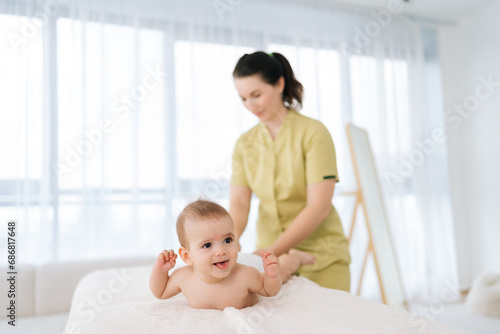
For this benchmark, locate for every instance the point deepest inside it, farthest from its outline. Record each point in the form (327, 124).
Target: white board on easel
(369, 197)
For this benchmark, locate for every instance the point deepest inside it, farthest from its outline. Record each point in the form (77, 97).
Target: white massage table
(119, 301)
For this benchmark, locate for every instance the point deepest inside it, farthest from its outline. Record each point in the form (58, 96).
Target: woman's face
(262, 99)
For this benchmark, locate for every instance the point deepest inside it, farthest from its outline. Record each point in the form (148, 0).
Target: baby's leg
(289, 263)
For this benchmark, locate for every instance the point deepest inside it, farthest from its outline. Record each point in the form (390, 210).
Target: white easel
(380, 244)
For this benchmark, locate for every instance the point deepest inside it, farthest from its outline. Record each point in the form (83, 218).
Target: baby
(212, 278)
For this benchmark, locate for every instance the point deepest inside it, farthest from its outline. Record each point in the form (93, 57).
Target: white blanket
(119, 301)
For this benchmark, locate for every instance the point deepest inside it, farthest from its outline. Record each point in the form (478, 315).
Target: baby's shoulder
(244, 270)
(182, 273)
(247, 277)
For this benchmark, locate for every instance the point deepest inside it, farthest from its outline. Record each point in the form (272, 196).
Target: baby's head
(208, 243)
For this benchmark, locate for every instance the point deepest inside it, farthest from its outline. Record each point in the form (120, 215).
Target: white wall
(470, 50)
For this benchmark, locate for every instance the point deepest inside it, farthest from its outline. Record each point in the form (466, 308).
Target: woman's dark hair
(272, 67)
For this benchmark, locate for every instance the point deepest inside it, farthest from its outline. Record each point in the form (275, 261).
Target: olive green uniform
(278, 172)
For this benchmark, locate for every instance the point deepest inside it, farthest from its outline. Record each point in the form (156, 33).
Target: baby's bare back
(232, 291)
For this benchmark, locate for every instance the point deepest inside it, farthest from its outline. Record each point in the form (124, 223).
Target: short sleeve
(238, 177)
(320, 158)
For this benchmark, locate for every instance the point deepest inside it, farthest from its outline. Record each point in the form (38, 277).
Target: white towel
(119, 301)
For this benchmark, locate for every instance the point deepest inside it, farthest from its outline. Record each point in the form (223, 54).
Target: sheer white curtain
(115, 113)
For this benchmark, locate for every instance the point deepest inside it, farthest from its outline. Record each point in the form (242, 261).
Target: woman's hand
(258, 252)
(261, 251)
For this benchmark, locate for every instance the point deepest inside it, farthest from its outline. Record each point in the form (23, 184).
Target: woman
(288, 161)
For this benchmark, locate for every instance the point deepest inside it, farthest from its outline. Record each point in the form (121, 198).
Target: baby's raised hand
(165, 261)
(271, 264)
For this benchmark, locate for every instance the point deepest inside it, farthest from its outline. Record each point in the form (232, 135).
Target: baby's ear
(184, 254)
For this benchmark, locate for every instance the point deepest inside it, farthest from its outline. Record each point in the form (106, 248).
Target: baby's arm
(162, 286)
(268, 284)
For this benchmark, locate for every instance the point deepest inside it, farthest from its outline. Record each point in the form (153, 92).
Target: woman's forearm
(239, 214)
(239, 208)
(319, 204)
(300, 229)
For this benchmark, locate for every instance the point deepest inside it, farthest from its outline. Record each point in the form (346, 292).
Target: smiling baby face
(211, 247)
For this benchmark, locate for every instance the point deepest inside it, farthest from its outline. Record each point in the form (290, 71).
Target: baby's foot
(305, 258)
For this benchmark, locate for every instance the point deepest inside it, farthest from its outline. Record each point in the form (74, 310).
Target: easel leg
(363, 269)
(353, 221)
(382, 292)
